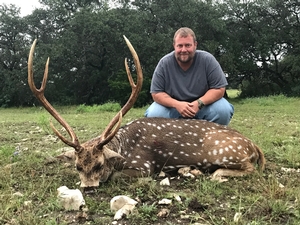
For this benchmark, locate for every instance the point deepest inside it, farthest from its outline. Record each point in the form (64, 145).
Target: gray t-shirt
(205, 73)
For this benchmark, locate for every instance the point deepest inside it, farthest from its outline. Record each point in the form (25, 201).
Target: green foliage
(257, 87)
(147, 213)
(7, 154)
(264, 66)
(44, 123)
(107, 107)
(256, 42)
(233, 93)
(119, 85)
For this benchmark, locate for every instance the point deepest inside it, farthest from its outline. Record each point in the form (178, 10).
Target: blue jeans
(219, 112)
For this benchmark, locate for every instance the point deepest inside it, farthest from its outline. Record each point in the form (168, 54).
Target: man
(189, 83)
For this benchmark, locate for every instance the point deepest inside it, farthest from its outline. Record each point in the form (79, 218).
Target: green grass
(232, 93)
(108, 107)
(28, 145)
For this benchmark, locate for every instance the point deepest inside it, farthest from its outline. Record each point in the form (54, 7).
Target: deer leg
(223, 172)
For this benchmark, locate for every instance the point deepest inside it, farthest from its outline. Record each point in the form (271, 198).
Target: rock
(165, 182)
(122, 205)
(18, 194)
(162, 174)
(163, 213)
(165, 201)
(177, 197)
(237, 217)
(27, 204)
(70, 199)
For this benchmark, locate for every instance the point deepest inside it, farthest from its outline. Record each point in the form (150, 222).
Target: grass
(232, 93)
(29, 177)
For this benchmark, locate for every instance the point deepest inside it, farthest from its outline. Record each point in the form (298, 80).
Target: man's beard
(187, 58)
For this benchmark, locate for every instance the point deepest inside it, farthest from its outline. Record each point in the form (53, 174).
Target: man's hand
(187, 109)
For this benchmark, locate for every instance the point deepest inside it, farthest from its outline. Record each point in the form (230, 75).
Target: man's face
(185, 48)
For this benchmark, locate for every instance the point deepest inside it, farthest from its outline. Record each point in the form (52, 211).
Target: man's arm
(164, 99)
(187, 109)
(209, 97)
(212, 95)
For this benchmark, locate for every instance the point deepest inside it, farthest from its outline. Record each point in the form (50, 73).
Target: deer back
(154, 144)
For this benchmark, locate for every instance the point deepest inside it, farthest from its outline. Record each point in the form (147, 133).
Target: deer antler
(108, 133)
(39, 94)
(113, 126)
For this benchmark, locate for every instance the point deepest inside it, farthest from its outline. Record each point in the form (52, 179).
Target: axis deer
(149, 145)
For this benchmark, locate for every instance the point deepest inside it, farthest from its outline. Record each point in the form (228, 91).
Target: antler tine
(107, 134)
(39, 94)
(135, 88)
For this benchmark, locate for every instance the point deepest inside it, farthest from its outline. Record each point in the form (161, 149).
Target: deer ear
(67, 156)
(109, 154)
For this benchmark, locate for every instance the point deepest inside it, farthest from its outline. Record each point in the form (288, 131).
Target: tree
(13, 42)
(256, 43)
(260, 38)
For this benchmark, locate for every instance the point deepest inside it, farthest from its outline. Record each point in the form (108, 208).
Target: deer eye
(79, 168)
(97, 167)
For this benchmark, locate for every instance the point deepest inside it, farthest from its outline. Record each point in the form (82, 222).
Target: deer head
(93, 159)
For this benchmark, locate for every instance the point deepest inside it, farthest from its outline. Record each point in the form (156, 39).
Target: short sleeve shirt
(205, 73)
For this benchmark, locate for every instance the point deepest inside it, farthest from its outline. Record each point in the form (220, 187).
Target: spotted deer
(147, 146)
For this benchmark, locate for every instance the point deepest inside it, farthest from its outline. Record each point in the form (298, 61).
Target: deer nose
(89, 190)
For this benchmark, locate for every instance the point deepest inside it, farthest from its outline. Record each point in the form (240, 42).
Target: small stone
(165, 182)
(18, 194)
(177, 197)
(165, 201)
(163, 213)
(27, 204)
(237, 217)
(162, 174)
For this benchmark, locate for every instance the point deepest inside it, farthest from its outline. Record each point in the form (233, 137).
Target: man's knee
(156, 110)
(219, 112)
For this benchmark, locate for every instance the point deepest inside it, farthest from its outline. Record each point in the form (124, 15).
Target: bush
(107, 107)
